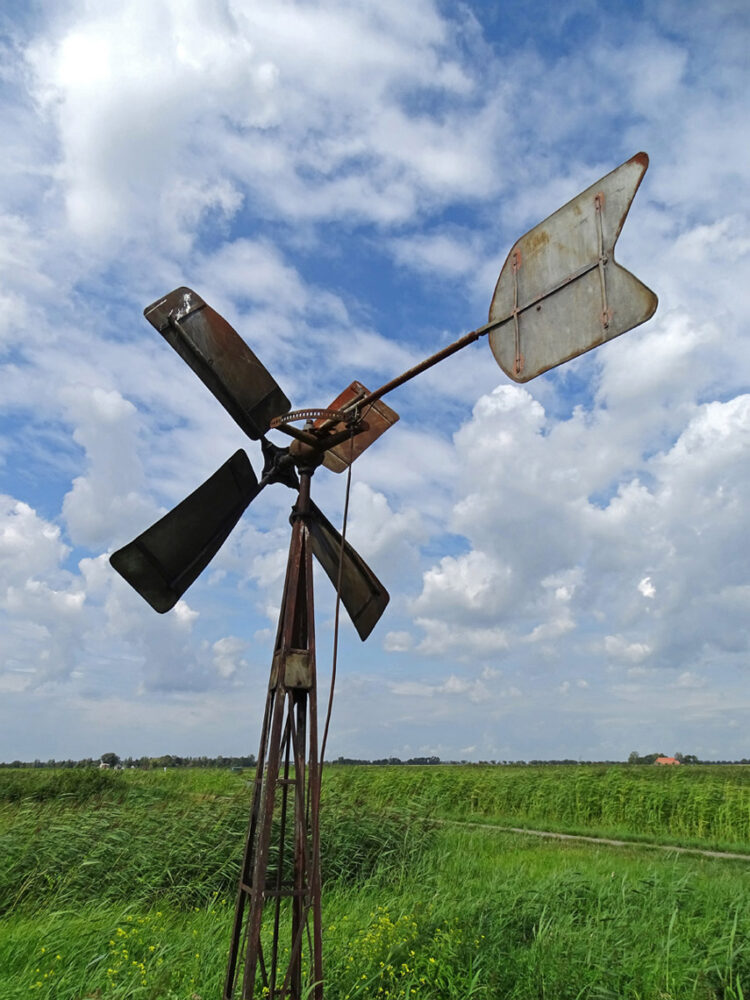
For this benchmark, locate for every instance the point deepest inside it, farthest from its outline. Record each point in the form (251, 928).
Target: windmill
(559, 294)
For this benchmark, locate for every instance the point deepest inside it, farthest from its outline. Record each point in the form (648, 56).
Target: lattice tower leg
(277, 935)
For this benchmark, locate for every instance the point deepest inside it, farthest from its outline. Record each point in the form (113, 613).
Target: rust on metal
(376, 417)
(569, 265)
(516, 266)
(220, 358)
(433, 359)
(296, 669)
(286, 791)
(309, 414)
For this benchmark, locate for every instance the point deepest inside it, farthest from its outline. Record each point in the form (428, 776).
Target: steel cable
(336, 616)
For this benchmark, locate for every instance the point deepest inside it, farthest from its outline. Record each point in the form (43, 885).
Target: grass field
(699, 806)
(121, 885)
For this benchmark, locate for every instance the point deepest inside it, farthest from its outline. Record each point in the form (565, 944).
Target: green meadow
(119, 885)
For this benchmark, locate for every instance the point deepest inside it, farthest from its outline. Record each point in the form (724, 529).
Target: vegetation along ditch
(121, 885)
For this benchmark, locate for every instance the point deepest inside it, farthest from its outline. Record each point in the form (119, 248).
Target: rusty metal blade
(162, 562)
(363, 595)
(560, 292)
(377, 416)
(220, 358)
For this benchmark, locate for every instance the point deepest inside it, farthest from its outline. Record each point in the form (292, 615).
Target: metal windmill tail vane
(561, 281)
(559, 294)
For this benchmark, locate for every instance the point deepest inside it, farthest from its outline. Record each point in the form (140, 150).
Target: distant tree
(110, 758)
(647, 758)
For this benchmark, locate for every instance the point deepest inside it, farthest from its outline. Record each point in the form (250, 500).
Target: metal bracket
(292, 670)
(516, 258)
(311, 414)
(602, 261)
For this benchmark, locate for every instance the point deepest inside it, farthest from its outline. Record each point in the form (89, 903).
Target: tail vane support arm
(560, 292)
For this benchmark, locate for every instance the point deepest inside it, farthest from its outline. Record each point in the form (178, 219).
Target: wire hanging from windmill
(336, 616)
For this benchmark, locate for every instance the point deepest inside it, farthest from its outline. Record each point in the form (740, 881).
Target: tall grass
(127, 892)
(164, 838)
(514, 919)
(470, 918)
(75, 785)
(688, 804)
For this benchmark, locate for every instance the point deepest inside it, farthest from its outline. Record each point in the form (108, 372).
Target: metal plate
(362, 594)
(560, 292)
(220, 358)
(378, 417)
(162, 562)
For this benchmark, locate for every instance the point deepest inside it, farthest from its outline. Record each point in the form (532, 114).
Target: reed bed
(125, 891)
(691, 805)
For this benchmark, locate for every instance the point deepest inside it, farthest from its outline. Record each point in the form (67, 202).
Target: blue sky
(567, 560)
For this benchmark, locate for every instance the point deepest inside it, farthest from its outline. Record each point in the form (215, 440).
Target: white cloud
(688, 679)
(398, 642)
(343, 182)
(471, 582)
(228, 655)
(163, 96)
(42, 606)
(109, 499)
(378, 531)
(452, 687)
(438, 255)
(617, 648)
(548, 564)
(449, 638)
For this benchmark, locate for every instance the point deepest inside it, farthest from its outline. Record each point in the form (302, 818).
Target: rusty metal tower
(559, 294)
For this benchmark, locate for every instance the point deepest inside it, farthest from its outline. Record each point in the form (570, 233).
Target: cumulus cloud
(453, 687)
(228, 655)
(140, 96)
(398, 642)
(42, 605)
(109, 499)
(550, 564)
(618, 648)
(343, 183)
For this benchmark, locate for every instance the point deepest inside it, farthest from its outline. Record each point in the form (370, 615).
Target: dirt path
(721, 855)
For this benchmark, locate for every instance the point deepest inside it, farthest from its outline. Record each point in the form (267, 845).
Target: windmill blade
(220, 358)
(560, 292)
(363, 595)
(162, 562)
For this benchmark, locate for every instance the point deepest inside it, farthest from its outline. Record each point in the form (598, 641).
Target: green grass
(505, 917)
(125, 891)
(690, 806)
